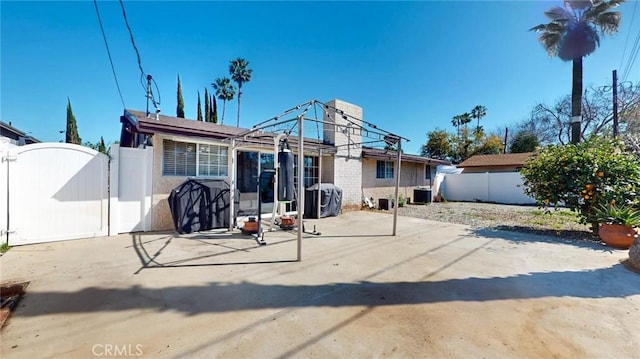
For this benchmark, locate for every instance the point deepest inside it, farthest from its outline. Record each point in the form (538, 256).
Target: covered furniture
(330, 200)
(200, 205)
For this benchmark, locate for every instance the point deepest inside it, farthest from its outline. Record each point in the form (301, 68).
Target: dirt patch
(10, 295)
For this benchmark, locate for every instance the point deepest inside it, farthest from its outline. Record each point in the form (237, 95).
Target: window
(194, 159)
(427, 172)
(384, 169)
(310, 170)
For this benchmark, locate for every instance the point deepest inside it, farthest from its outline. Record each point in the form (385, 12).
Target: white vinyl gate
(51, 192)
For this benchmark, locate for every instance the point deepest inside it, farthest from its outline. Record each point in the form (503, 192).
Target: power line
(143, 77)
(106, 44)
(632, 58)
(624, 49)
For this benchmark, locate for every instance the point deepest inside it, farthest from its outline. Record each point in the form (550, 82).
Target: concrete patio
(434, 290)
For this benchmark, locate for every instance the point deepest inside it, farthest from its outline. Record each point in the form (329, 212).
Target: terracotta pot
(617, 235)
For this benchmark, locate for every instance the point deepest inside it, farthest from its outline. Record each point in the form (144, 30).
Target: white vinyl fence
(58, 191)
(131, 180)
(500, 187)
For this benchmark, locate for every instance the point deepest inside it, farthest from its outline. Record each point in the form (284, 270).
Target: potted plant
(617, 224)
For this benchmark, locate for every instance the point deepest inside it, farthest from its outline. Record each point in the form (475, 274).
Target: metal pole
(395, 204)
(319, 198)
(148, 93)
(300, 185)
(8, 193)
(615, 103)
(232, 179)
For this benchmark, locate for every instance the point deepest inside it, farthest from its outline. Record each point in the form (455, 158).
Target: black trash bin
(421, 196)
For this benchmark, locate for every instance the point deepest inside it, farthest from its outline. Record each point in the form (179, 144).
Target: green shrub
(593, 173)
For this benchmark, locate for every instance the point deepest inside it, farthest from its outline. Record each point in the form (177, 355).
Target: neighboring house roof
(388, 155)
(7, 130)
(507, 159)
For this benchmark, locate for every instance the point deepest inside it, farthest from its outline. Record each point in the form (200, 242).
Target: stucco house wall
(163, 185)
(412, 176)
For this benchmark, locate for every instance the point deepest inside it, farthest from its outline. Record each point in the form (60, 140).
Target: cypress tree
(72, 128)
(199, 108)
(214, 105)
(180, 107)
(207, 111)
(101, 146)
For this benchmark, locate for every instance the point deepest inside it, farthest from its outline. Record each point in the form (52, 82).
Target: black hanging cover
(201, 204)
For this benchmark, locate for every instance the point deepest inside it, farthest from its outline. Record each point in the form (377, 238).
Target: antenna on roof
(150, 98)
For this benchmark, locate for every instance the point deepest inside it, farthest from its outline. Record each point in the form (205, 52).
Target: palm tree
(456, 121)
(225, 92)
(478, 113)
(240, 73)
(573, 34)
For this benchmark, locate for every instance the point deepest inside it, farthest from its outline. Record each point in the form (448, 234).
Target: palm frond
(550, 41)
(609, 22)
(579, 4)
(539, 28)
(603, 6)
(561, 14)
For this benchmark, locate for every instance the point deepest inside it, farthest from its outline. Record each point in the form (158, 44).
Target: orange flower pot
(617, 235)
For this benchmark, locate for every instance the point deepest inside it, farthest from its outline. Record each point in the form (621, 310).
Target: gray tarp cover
(330, 203)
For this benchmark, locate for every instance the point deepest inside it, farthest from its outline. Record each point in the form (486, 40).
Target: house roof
(178, 126)
(7, 130)
(376, 153)
(507, 159)
(190, 128)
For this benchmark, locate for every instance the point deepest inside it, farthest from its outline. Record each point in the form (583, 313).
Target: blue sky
(412, 66)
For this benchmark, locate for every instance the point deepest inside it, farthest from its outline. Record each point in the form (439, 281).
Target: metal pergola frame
(291, 122)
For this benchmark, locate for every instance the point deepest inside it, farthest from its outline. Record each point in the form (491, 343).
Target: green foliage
(402, 200)
(225, 92)
(615, 214)
(582, 176)
(98, 146)
(214, 106)
(489, 145)
(240, 73)
(199, 118)
(438, 145)
(478, 113)
(180, 106)
(524, 142)
(71, 133)
(4, 247)
(207, 110)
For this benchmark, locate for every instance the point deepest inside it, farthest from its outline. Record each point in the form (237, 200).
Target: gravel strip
(560, 223)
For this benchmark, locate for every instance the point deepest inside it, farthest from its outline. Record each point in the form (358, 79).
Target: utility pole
(506, 134)
(615, 103)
